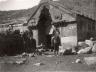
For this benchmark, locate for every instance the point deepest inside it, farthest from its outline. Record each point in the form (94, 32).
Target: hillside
(16, 15)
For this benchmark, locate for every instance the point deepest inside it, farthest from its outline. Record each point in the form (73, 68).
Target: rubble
(82, 44)
(94, 48)
(40, 50)
(90, 60)
(85, 50)
(78, 61)
(89, 42)
(31, 55)
(38, 64)
(15, 59)
(19, 62)
(24, 54)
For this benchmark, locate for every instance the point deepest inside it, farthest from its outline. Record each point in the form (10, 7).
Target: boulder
(90, 60)
(82, 44)
(85, 51)
(78, 61)
(89, 42)
(94, 48)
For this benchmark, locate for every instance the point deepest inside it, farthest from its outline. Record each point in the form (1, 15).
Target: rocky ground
(47, 63)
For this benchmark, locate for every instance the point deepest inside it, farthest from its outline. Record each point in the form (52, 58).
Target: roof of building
(86, 8)
(82, 7)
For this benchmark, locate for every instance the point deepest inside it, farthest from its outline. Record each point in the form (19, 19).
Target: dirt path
(50, 64)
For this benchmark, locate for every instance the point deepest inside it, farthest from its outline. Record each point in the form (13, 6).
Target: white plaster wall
(70, 41)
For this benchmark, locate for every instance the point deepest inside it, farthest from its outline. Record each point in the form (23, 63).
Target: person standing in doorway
(56, 41)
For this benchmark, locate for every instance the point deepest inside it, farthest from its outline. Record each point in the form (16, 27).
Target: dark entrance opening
(48, 41)
(44, 25)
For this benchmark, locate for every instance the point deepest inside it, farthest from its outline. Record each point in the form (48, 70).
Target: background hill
(16, 15)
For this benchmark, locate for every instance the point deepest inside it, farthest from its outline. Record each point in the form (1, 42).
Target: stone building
(75, 19)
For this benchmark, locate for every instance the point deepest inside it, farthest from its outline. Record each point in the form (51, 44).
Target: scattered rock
(38, 64)
(94, 48)
(90, 60)
(41, 50)
(85, 51)
(24, 54)
(78, 61)
(21, 61)
(82, 44)
(31, 55)
(89, 42)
